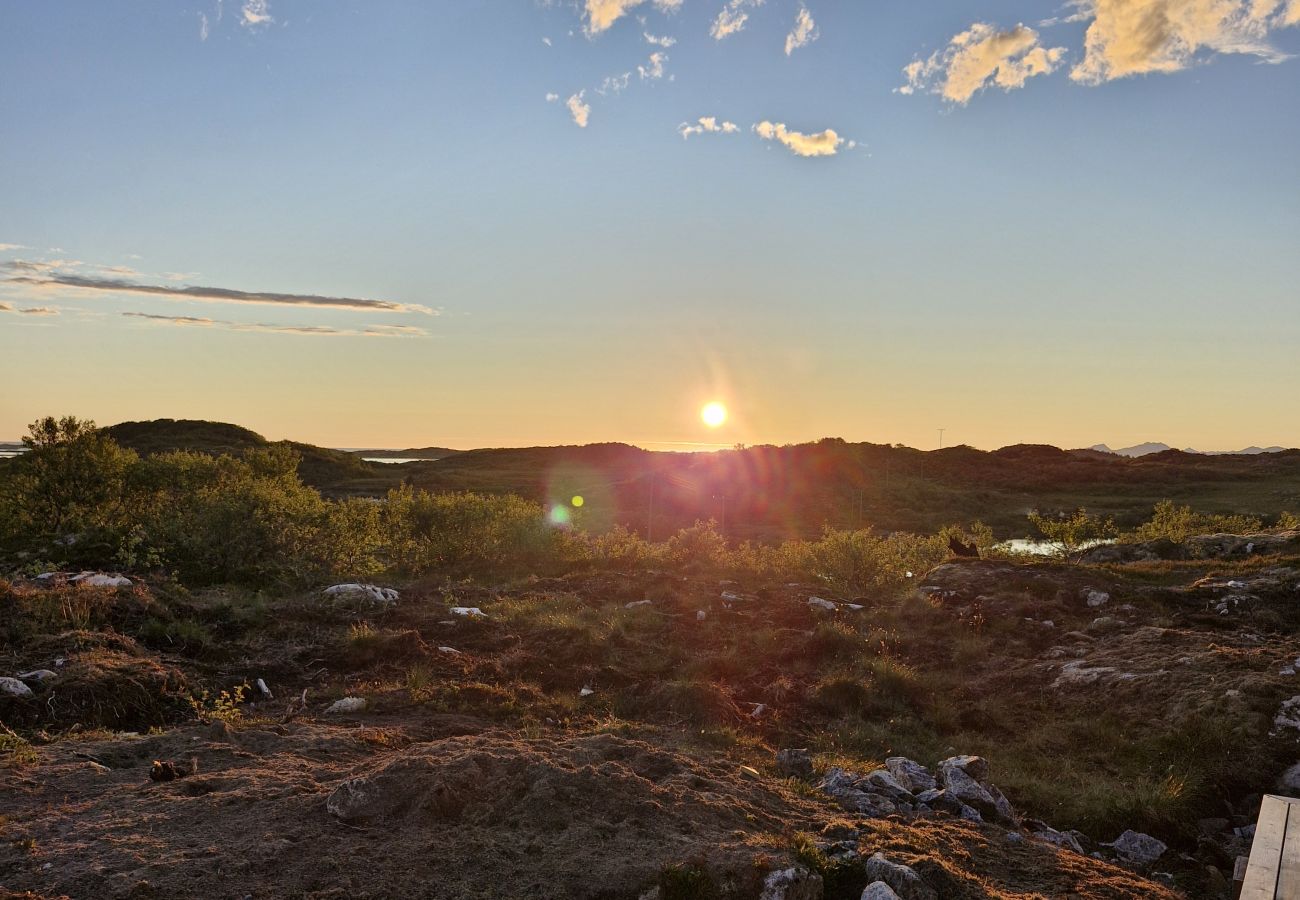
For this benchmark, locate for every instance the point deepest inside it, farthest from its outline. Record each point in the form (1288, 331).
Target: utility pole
(941, 431)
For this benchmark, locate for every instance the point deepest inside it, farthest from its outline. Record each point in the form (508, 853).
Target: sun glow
(713, 414)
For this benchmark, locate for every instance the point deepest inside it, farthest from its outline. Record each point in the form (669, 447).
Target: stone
(910, 774)
(794, 762)
(1105, 625)
(1095, 598)
(14, 688)
(794, 883)
(101, 579)
(843, 787)
(1077, 673)
(1137, 847)
(976, 767)
(347, 705)
(878, 890)
(1049, 835)
(1290, 779)
(819, 603)
(901, 879)
(38, 676)
(959, 784)
(469, 612)
(372, 592)
(882, 781)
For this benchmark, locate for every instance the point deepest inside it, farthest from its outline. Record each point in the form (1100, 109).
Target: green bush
(1178, 523)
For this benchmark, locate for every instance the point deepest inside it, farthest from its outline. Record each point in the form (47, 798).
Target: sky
(479, 223)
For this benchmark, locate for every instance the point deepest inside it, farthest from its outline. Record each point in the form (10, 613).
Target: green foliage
(1288, 521)
(1073, 533)
(1178, 523)
(224, 707)
(700, 546)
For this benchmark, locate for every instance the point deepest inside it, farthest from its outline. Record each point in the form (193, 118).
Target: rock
(819, 603)
(1077, 673)
(1015, 837)
(14, 688)
(372, 592)
(450, 651)
(878, 890)
(1049, 835)
(795, 762)
(469, 612)
(903, 880)
(882, 781)
(1212, 826)
(1105, 625)
(347, 705)
(965, 778)
(1137, 847)
(976, 767)
(910, 774)
(101, 579)
(635, 603)
(794, 883)
(843, 787)
(701, 615)
(38, 676)
(1288, 714)
(586, 692)
(355, 800)
(1290, 779)
(1095, 598)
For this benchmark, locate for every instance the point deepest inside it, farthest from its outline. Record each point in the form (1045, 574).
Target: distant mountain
(1156, 447)
(423, 453)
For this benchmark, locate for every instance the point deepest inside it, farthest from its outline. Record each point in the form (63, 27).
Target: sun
(713, 414)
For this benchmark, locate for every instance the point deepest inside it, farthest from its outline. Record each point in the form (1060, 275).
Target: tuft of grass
(687, 881)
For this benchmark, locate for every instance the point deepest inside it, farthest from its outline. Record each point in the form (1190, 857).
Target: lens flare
(577, 500)
(713, 414)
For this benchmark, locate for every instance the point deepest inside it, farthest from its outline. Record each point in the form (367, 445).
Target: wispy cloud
(709, 124)
(613, 84)
(601, 14)
(6, 247)
(732, 18)
(45, 278)
(579, 110)
(254, 13)
(1138, 37)
(653, 70)
(551, 96)
(980, 56)
(29, 310)
(203, 26)
(803, 33)
(824, 143)
(306, 330)
(664, 42)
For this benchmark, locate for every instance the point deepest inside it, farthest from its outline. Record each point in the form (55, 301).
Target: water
(1038, 547)
(392, 459)
(9, 452)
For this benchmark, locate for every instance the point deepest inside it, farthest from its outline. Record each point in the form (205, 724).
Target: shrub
(1071, 534)
(1178, 523)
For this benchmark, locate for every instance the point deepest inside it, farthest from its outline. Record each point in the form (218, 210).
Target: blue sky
(1053, 232)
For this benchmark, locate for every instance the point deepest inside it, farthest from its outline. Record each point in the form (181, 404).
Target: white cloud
(4, 247)
(551, 97)
(653, 70)
(546, 41)
(803, 33)
(667, 42)
(613, 84)
(601, 14)
(1138, 37)
(308, 330)
(203, 26)
(579, 110)
(732, 18)
(980, 56)
(254, 13)
(825, 143)
(29, 310)
(707, 124)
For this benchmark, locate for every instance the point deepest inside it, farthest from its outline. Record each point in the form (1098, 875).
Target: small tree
(1070, 534)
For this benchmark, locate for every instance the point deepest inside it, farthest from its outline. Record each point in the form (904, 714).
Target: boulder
(100, 579)
(794, 883)
(38, 676)
(901, 879)
(347, 705)
(844, 788)
(965, 778)
(1095, 598)
(1136, 847)
(878, 890)
(1049, 835)
(372, 592)
(794, 762)
(14, 688)
(910, 774)
(882, 781)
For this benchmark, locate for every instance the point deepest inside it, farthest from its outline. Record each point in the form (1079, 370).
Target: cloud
(551, 97)
(55, 280)
(667, 42)
(803, 33)
(980, 56)
(601, 14)
(1139, 37)
(29, 310)
(653, 70)
(707, 124)
(5, 247)
(613, 84)
(309, 330)
(825, 143)
(732, 18)
(579, 110)
(546, 41)
(254, 13)
(203, 26)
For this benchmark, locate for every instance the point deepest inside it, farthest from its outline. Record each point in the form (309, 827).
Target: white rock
(1138, 847)
(266, 691)
(855, 607)
(819, 603)
(1288, 714)
(794, 883)
(701, 616)
(635, 603)
(586, 692)
(347, 705)
(13, 687)
(451, 650)
(99, 579)
(38, 675)
(372, 592)
(878, 890)
(731, 596)
(471, 612)
(1097, 598)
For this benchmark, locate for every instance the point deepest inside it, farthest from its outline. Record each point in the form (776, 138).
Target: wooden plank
(1260, 882)
(1288, 875)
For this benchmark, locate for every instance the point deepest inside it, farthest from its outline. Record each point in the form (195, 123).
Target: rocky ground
(1006, 729)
